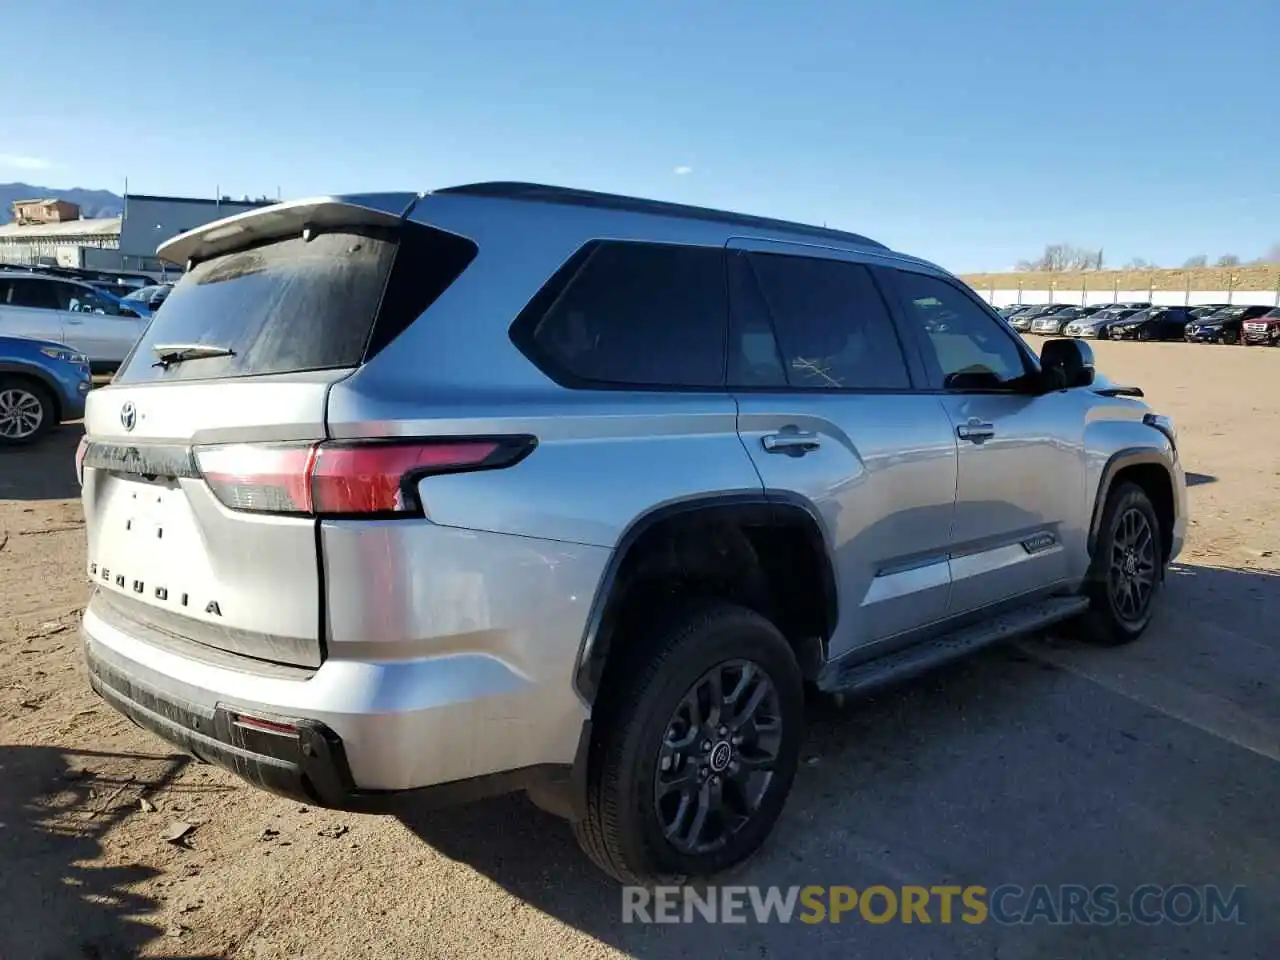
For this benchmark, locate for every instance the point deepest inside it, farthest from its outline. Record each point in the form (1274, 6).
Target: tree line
(1064, 257)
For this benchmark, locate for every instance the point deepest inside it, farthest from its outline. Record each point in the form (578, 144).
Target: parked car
(112, 279)
(1223, 326)
(42, 383)
(1153, 323)
(1052, 324)
(474, 566)
(1113, 316)
(1094, 324)
(1022, 321)
(1204, 309)
(1263, 330)
(149, 298)
(87, 319)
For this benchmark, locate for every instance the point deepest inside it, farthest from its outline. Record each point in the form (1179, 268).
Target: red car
(1263, 330)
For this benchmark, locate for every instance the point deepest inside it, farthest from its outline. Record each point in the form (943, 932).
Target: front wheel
(26, 411)
(696, 748)
(1230, 338)
(1127, 570)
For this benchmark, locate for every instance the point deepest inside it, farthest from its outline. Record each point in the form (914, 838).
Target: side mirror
(1067, 363)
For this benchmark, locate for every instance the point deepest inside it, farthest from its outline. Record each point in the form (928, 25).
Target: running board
(911, 661)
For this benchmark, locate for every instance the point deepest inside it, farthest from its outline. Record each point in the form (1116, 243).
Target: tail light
(81, 447)
(345, 478)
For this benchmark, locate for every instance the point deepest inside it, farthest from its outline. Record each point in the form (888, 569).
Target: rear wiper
(167, 354)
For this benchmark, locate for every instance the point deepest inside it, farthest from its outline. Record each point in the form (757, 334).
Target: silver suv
(509, 487)
(77, 314)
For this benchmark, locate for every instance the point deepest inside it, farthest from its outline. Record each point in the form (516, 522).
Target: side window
(80, 299)
(966, 347)
(40, 294)
(754, 360)
(832, 326)
(633, 314)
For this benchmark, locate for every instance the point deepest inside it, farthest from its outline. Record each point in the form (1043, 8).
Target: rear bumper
(484, 704)
(309, 765)
(301, 758)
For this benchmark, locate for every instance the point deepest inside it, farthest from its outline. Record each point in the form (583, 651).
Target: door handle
(793, 442)
(976, 431)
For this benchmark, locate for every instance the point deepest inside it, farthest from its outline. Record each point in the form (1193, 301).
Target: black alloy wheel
(718, 757)
(1131, 579)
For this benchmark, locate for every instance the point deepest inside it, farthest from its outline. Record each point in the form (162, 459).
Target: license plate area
(148, 545)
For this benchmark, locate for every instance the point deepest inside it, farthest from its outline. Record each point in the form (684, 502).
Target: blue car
(42, 384)
(138, 306)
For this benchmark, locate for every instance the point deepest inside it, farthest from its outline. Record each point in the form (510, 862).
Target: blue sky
(971, 132)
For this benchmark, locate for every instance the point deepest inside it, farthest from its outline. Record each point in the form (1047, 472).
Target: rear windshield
(282, 307)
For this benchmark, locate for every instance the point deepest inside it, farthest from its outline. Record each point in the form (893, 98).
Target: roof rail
(543, 193)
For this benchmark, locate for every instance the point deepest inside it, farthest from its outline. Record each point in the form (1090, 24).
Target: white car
(77, 314)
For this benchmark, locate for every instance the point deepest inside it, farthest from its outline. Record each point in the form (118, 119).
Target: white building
(122, 243)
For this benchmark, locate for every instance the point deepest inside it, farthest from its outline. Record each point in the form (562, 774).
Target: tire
(1230, 338)
(646, 706)
(27, 411)
(1110, 621)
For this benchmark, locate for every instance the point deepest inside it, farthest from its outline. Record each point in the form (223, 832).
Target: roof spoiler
(286, 219)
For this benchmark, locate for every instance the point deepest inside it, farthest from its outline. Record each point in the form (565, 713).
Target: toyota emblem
(128, 415)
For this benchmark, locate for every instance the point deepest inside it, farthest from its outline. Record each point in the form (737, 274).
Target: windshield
(1227, 313)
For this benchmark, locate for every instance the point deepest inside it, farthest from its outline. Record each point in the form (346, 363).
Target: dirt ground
(1042, 763)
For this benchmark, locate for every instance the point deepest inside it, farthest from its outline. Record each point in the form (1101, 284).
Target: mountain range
(93, 203)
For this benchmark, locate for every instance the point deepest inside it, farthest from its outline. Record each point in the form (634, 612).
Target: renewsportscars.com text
(1008, 904)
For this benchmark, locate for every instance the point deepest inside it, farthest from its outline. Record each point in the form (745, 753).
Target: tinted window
(632, 314)
(80, 299)
(295, 304)
(34, 293)
(965, 346)
(754, 360)
(832, 326)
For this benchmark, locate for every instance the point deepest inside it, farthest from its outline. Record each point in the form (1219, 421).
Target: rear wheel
(696, 749)
(1127, 570)
(26, 410)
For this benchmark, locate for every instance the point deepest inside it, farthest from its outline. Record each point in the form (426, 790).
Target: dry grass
(1266, 277)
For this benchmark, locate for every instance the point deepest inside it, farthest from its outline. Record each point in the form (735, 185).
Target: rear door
(197, 482)
(92, 323)
(29, 308)
(1020, 487)
(830, 416)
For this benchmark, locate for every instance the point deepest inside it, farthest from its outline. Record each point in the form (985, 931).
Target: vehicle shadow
(1003, 768)
(43, 470)
(55, 807)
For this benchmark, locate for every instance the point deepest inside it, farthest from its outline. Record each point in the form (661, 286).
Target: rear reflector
(345, 478)
(266, 726)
